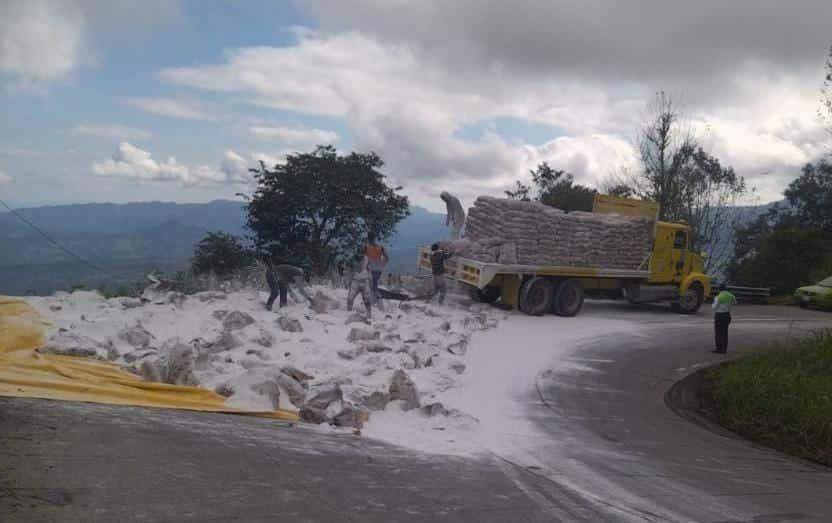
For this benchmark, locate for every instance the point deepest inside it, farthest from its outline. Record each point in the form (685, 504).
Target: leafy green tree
(810, 197)
(689, 184)
(622, 190)
(556, 188)
(825, 111)
(320, 205)
(220, 253)
(520, 192)
(791, 245)
(785, 259)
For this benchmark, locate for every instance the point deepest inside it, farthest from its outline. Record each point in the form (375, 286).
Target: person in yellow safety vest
(722, 318)
(376, 260)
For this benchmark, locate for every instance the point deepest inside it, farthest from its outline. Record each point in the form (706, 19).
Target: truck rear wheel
(690, 301)
(569, 298)
(488, 294)
(536, 296)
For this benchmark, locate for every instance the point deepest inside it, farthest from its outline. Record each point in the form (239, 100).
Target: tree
(317, 206)
(520, 192)
(782, 257)
(621, 190)
(220, 253)
(663, 147)
(791, 245)
(810, 197)
(825, 111)
(689, 184)
(556, 188)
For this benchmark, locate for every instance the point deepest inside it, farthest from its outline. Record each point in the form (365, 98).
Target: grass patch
(782, 398)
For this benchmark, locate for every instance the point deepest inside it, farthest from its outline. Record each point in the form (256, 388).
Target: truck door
(661, 261)
(677, 255)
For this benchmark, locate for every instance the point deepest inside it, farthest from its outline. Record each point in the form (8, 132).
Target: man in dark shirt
(437, 263)
(279, 277)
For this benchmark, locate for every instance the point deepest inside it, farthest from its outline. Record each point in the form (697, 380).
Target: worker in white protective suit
(456, 215)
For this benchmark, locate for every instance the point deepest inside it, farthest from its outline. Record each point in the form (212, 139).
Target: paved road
(615, 453)
(634, 456)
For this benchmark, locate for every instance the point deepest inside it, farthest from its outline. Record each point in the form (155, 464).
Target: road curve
(620, 444)
(614, 452)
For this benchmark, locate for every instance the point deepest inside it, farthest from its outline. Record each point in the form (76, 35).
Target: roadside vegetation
(782, 399)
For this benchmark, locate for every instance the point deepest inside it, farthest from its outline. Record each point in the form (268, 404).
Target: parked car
(819, 295)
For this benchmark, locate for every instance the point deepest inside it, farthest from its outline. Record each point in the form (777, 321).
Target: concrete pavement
(75, 462)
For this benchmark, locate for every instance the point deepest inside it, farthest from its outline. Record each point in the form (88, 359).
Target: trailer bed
(480, 274)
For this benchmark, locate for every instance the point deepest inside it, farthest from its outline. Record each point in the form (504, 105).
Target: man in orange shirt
(376, 260)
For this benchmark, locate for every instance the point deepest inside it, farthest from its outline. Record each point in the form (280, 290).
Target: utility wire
(53, 241)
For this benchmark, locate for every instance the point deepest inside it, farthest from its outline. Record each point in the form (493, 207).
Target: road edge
(688, 398)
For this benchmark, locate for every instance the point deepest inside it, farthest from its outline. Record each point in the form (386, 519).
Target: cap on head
(444, 195)
(434, 247)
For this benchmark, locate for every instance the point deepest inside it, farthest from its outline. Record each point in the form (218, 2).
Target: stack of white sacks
(530, 233)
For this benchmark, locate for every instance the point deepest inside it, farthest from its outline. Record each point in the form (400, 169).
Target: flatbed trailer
(670, 273)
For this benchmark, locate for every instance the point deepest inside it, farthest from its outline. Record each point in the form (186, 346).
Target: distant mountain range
(127, 240)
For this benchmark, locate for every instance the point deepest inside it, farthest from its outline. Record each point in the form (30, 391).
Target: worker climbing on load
(279, 277)
(376, 260)
(455, 218)
(722, 318)
(437, 263)
(360, 283)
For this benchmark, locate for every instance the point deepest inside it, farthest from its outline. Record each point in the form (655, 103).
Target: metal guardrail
(746, 294)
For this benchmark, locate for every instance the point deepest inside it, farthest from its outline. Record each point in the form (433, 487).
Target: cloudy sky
(116, 100)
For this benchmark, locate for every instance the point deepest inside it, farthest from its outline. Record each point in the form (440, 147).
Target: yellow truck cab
(670, 273)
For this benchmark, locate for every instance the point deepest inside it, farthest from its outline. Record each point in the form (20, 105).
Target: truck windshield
(826, 283)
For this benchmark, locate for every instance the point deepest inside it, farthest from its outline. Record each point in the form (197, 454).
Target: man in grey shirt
(360, 284)
(455, 218)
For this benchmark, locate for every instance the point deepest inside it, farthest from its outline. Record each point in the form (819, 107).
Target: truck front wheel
(690, 301)
(569, 298)
(536, 296)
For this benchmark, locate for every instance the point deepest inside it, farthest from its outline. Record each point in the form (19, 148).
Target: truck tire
(569, 298)
(488, 294)
(690, 301)
(536, 296)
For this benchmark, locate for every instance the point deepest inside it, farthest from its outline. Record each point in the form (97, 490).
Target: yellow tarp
(24, 372)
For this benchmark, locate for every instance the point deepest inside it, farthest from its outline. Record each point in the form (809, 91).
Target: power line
(52, 240)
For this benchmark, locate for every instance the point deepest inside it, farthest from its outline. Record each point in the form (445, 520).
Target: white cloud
(115, 131)
(5, 178)
(235, 168)
(412, 111)
(270, 159)
(410, 79)
(295, 135)
(130, 162)
(41, 40)
(49, 40)
(639, 40)
(169, 107)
